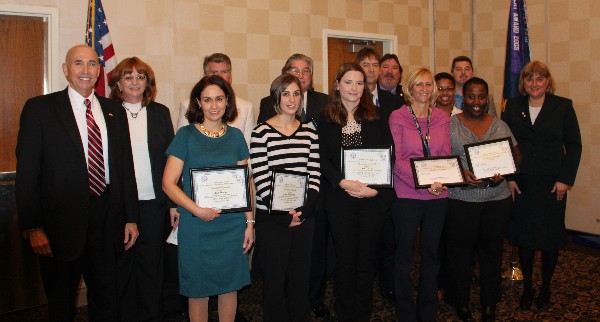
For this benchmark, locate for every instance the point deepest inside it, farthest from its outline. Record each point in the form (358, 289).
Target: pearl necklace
(210, 134)
(133, 115)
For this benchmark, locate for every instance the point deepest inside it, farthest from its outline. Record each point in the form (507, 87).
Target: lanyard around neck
(424, 139)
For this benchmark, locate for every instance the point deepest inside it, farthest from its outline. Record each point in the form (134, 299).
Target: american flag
(98, 37)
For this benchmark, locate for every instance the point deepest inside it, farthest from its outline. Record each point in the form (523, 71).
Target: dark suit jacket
(316, 102)
(160, 135)
(551, 146)
(52, 189)
(388, 103)
(330, 146)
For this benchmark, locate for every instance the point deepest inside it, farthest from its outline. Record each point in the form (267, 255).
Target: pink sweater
(408, 145)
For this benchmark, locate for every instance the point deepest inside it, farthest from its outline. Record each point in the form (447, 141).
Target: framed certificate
(490, 157)
(446, 170)
(223, 188)
(369, 164)
(288, 191)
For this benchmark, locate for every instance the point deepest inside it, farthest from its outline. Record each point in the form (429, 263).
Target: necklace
(133, 115)
(213, 134)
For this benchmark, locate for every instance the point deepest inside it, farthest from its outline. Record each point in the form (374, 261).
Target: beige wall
(173, 36)
(564, 34)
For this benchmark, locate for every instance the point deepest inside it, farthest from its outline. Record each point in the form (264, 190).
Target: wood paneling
(338, 52)
(22, 70)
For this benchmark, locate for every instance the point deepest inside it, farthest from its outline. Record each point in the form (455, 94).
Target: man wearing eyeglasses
(462, 70)
(220, 64)
(300, 66)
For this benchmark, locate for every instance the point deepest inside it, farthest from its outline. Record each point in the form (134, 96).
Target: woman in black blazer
(547, 131)
(140, 270)
(355, 211)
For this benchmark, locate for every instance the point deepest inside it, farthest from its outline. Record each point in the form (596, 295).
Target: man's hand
(39, 242)
(131, 235)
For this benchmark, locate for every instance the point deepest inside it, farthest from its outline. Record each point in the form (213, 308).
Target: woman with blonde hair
(419, 130)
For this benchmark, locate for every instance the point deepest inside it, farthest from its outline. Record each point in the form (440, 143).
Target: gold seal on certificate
(446, 170)
(369, 164)
(490, 157)
(288, 191)
(222, 188)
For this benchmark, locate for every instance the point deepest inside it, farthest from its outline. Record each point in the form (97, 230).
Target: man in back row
(462, 70)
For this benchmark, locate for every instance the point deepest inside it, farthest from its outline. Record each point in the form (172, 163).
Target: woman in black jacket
(355, 211)
(547, 131)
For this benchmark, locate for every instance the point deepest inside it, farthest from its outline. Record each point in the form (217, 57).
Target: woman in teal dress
(213, 247)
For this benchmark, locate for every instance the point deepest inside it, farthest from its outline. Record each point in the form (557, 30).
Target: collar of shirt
(304, 100)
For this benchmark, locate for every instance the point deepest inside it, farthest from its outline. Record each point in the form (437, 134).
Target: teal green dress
(210, 253)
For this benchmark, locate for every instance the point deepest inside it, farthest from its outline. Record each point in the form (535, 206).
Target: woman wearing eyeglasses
(446, 89)
(140, 269)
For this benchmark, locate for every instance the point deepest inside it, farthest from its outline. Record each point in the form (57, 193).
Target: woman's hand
(514, 187)
(436, 189)
(358, 189)
(206, 214)
(248, 238)
(296, 221)
(560, 189)
(497, 178)
(471, 179)
(174, 217)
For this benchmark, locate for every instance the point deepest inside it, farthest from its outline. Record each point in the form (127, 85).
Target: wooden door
(22, 44)
(339, 52)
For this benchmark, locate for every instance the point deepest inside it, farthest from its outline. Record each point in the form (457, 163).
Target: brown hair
(125, 67)
(195, 113)
(335, 111)
(532, 68)
(279, 85)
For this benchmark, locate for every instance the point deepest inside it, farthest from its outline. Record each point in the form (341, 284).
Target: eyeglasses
(445, 89)
(129, 78)
(298, 72)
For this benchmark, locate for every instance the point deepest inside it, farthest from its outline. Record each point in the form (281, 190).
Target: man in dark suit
(75, 189)
(368, 59)
(300, 66)
(390, 75)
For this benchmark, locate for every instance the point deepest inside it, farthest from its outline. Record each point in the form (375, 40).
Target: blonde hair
(411, 81)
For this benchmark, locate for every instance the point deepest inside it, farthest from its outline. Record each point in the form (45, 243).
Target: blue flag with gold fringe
(517, 48)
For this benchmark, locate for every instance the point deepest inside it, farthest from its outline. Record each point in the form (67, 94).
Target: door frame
(52, 70)
(390, 45)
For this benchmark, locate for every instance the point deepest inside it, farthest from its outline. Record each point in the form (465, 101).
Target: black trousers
(318, 261)
(471, 226)
(410, 215)
(286, 263)
(385, 255)
(98, 263)
(355, 227)
(141, 269)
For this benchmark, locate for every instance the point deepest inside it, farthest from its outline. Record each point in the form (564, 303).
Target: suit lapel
(523, 112)
(110, 119)
(547, 109)
(153, 123)
(65, 113)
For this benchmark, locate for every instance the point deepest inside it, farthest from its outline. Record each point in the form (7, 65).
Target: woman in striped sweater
(284, 241)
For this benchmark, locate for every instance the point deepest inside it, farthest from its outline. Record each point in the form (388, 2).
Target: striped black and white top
(271, 149)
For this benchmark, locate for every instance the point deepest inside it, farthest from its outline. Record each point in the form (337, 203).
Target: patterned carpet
(575, 297)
